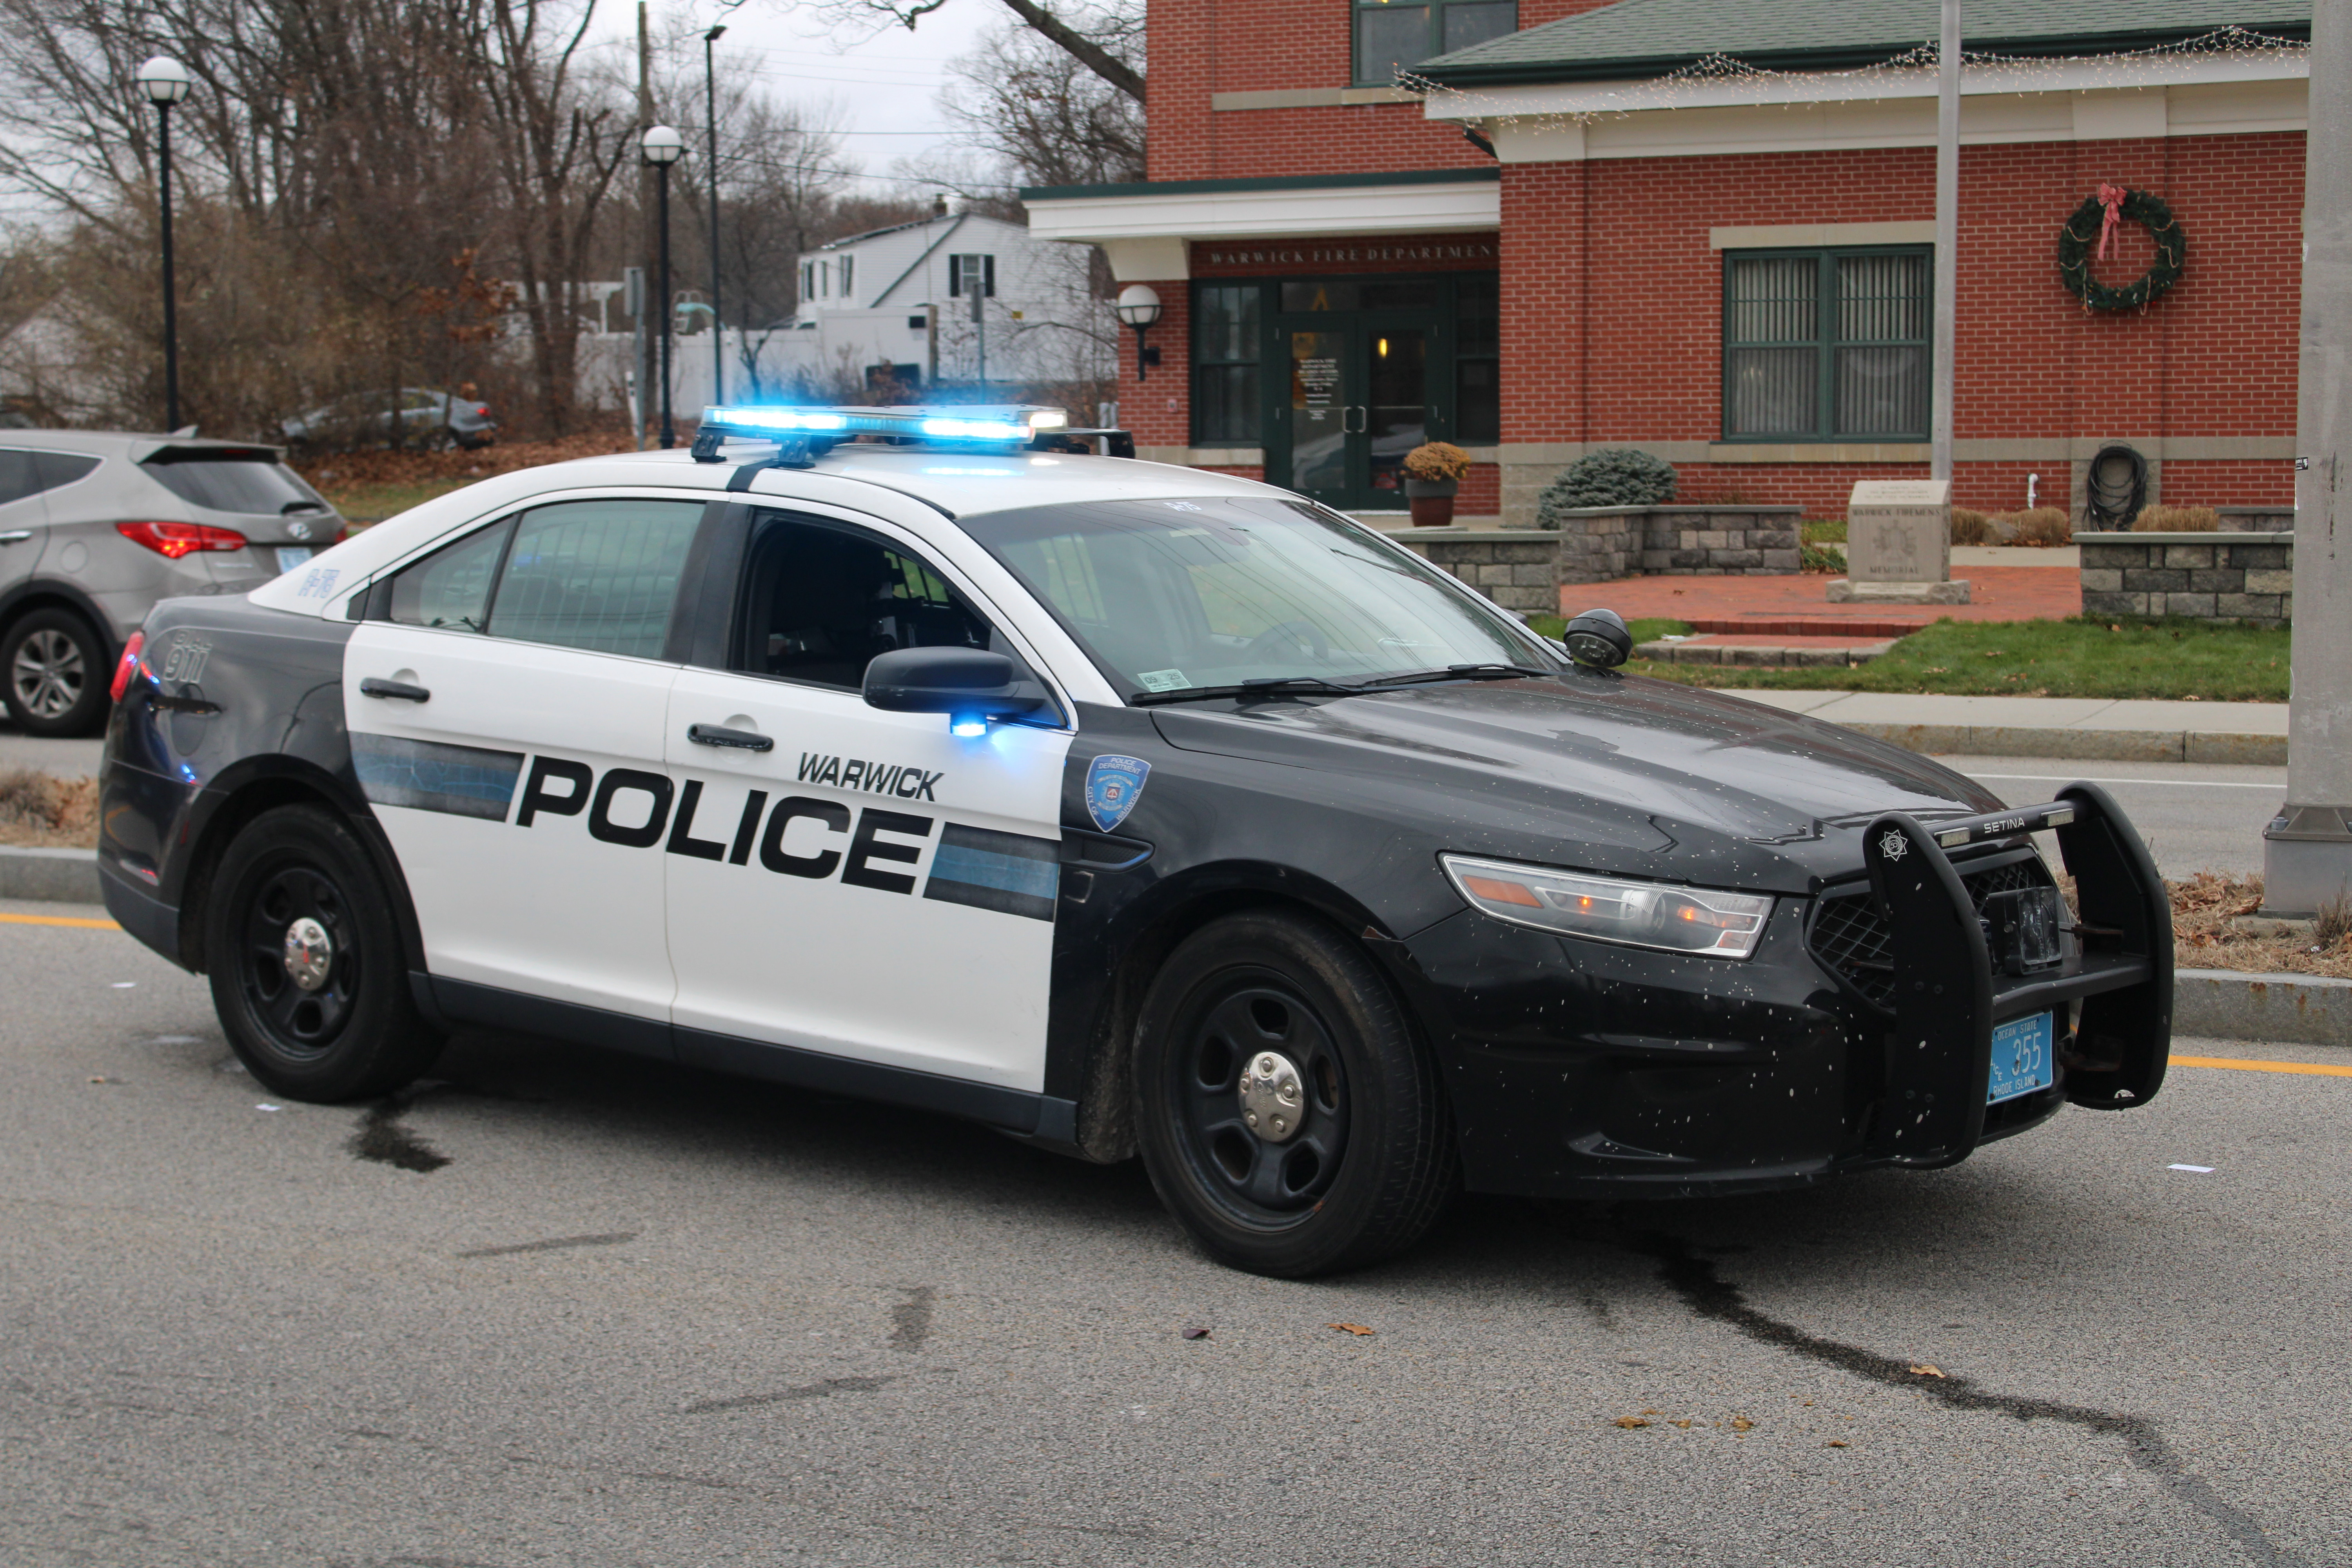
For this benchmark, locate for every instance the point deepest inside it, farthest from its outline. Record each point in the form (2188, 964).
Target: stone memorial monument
(1898, 545)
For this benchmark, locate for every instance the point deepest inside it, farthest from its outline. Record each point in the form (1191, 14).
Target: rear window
(255, 483)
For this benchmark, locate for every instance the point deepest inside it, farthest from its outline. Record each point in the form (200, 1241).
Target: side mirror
(968, 686)
(1598, 639)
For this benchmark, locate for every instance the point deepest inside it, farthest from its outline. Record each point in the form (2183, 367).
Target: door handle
(372, 687)
(720, 735)
(15, 536)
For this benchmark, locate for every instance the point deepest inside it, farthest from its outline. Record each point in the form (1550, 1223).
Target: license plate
(289, 556)
(2022, 1057)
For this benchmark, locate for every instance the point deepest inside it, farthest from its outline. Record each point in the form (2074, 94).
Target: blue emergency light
(1008, 422)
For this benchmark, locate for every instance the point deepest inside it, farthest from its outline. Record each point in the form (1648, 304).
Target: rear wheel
(1286, 1114)
(306, 966)
(57, 674)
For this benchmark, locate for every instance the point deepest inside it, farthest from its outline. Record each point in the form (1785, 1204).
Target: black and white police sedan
(1127, 808)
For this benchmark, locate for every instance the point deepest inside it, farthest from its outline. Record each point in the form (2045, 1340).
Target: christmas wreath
(2094, 221)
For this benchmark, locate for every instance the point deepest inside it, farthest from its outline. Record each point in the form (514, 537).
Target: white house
(957, 297)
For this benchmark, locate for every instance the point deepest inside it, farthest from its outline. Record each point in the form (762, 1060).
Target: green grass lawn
(2198, 660)
(373, 504)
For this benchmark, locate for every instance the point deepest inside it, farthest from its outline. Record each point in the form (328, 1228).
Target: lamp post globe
(165, 82)
(663, 146)
(1139, 307)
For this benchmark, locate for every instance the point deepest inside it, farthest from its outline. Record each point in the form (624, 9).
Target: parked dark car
(429, 416)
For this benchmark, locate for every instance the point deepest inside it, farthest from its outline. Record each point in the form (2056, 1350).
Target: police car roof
(875, 479)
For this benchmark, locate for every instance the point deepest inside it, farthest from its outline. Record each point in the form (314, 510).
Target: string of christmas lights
(1905, 70)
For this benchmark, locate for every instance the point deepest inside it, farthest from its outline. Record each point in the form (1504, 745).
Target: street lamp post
(710, 124)
(164, 81)
(662, 147)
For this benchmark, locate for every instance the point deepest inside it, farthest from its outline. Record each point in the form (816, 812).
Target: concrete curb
(2080, 745)
(55, 875)
(2284, 1009)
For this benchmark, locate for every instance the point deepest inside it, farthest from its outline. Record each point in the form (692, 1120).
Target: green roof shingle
(1638, 39)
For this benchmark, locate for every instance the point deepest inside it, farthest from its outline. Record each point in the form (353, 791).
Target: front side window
(1826, 346)
(821, 599)
(1167, 596)
(1226, 355)
(1394, 34)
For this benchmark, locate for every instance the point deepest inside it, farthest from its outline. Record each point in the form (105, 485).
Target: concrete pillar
(2307, 847)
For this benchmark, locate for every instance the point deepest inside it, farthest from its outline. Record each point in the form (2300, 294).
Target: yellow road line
(2316, 1069)
(83, 921)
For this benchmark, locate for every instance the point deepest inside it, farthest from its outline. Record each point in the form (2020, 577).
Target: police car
(929, 757)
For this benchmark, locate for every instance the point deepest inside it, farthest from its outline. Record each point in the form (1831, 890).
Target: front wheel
(306, 963)
(1286, 1114)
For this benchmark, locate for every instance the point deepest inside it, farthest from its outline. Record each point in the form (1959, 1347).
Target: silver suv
(95, 528)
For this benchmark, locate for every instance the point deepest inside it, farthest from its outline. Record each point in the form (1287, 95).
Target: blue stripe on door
(430, 776)
(1008, 872)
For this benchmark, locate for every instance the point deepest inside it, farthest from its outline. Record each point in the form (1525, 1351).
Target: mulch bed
(39, 811)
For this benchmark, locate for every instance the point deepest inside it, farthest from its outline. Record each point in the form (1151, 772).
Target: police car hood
(1695, 763)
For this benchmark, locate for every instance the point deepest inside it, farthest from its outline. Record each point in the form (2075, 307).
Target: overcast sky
(883, 83)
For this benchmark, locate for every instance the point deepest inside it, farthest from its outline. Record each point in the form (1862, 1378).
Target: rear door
(866, 884)
(523, 789)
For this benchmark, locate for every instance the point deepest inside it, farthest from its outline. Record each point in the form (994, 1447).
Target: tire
(55, 673)
(347, 1028)
(1368, 1162)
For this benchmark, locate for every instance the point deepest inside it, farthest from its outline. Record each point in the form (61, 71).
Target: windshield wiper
(1263, 686)
(1458, 672)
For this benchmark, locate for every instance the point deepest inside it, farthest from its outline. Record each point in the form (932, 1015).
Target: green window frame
(1229, 355)
(1392, 33)
(1827, 345)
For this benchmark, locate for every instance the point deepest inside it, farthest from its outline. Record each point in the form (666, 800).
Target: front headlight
(1607, 909)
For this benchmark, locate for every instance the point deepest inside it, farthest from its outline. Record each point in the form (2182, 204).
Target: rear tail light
(177, 539)
(126, 664)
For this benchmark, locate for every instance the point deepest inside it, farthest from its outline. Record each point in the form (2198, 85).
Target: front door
(847, 880)
(1361, 396)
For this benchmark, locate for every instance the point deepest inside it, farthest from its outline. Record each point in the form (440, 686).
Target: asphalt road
(2194, 817)
(558, 1308)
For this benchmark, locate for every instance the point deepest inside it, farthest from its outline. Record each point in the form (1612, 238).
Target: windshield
(225, 480)
(1172, 595)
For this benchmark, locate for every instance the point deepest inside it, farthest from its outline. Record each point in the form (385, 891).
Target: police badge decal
(1113, 786)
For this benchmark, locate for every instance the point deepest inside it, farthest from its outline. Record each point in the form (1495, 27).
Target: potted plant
(1433, 474)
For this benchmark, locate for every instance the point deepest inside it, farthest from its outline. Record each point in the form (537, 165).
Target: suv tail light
(177, 539)
(126, 664)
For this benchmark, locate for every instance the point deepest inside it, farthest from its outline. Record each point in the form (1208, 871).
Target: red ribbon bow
(2112, 198)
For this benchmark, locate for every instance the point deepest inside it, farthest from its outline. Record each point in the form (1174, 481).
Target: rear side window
(451, 587)
(255, 483)
(600, 574)
(25, 474)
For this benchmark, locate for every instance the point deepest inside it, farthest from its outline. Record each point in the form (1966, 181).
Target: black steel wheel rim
(1232, 1020)
(300, 1024)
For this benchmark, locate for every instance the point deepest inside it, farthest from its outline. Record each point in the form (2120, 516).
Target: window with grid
(1826, 346)
(1225, 354)
(1393, 32)
(969, 275)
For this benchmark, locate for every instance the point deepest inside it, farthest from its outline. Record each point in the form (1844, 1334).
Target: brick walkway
(1798, 605)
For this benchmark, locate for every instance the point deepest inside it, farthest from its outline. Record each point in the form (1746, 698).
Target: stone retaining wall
(2217, 576)
(1518, 568)
(1601, 544)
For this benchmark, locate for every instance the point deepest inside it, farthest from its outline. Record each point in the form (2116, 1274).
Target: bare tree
(1035, 110)
(1115, 56)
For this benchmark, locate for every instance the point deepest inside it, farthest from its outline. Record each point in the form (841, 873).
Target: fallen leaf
(1834, 1443)
(1349, 1328)
(1629, 1421)
(1196, 1334)
(1649, 1413)
(1684, 1424)
(1741, 1424)
(1925, 1370)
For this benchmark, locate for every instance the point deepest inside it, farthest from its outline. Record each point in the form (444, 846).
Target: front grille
(1849, 935)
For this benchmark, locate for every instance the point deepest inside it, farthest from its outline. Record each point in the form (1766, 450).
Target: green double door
(1361, 395)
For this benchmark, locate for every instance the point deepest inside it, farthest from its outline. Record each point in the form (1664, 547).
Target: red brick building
(1705, 231)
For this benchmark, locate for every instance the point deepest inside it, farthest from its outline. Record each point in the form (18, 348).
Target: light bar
(995, 425)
